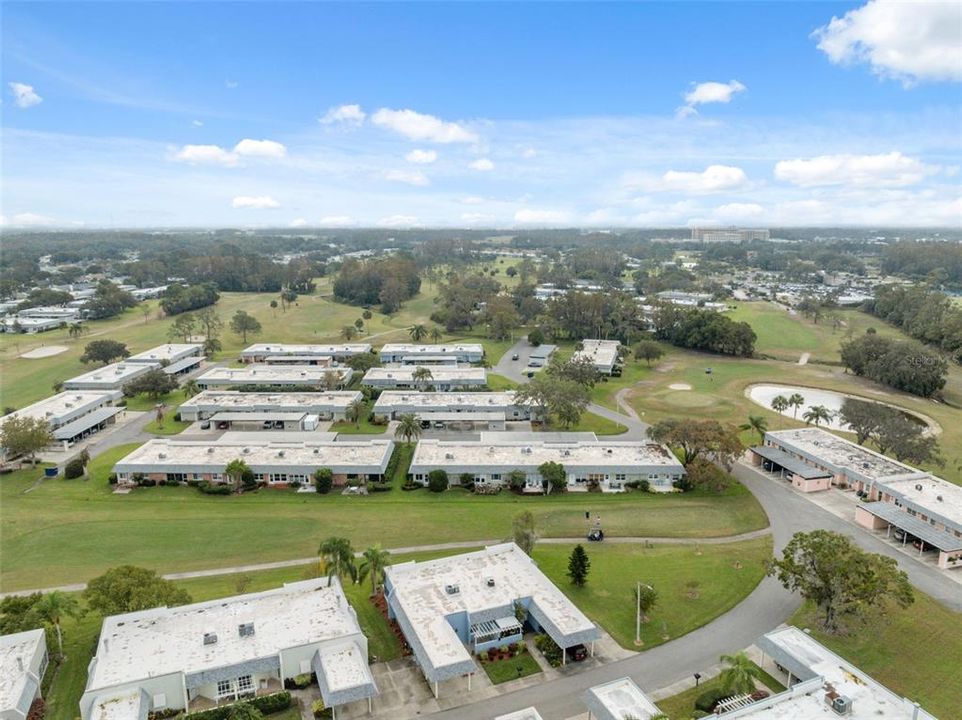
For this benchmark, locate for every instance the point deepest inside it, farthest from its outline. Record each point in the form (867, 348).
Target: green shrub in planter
(323, 480)
(112, 478)
(707, 700)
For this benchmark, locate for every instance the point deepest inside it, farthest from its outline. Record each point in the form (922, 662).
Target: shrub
(549, 648)
(707, 701)
(704, 474)
(213, 489)
(466, 480)
(437, 480)
(319, 710)
(74, 469)
(163, 714)
(112, 478)
(177, 416)
(323, 480)
(516, 480)
(379, 487)
(38, 709)
(536, 337)
(267, 704)
(247, 479)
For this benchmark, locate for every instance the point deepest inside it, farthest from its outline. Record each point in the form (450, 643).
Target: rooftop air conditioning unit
(452, 589)
(939, 498)
(49, 413)
(449, 456)
(210, 638)
(842, 704)
(245, 629)
(280, 453)
(317, 451)
(210, 450)
(162, 455)
(246, 450)
(918, 487)
(489, 581)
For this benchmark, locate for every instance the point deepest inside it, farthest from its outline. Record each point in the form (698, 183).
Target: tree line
(901, 364)
(927, 315)
(388, 281)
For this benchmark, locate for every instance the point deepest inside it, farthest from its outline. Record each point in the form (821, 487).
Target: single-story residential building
(455, 607)
(110, 377)
(259, 352)
(528, 713)
(617, 700)
(51, 312)
(261, 375)
(606, 464)
(602, 353)
(275, 462)
(330, 405)
(31, 325)
(416, 354)
(441, 378)
(820, 684)
(170, 353)
(540, 355)
(198, 656)
(23, 662)
(74, 415)
(391, 404)
(317, 361)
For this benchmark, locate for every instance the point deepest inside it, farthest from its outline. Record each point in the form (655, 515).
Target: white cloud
(298, 223)
(343, 114)
(529, 152)
(476, 218)
(28, 220)
(714, 178)
(708, 92)
(231, 84)
(197, 123)
(908, 41)
(258, 202)
(260, 149)
(535, 216)
(415, 177)
(398, 221)
(482, 164)
(888, 170)
(472, 200)
(24, 96)
(421, 157)
(735, 211)
(418, 126)
(205, 155)
(334, 221)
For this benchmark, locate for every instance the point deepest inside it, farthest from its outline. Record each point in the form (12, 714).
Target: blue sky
(462, 114)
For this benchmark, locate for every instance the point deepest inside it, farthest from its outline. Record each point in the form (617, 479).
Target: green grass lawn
(169, 426)
(916, 652)
(497, 382)
(143, 403)
(682, 705)
(725, 575)
(591, 423)
(364, 425)
(59, 532)
(519, 666)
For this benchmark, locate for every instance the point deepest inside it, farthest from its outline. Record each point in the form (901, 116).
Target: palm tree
(780, 403)
(159, 414)
(818, 414)
(436, 334)
(408, 427)
(758, 424)
(418, 332)
(354, 410)
(235, 470)
(373, 564)
(244, 711)
(191, 388)
(422, 374)
(740, 675)
(338, 557)
(53, 607)
(796, 401)
(75, 330)
(348, 332)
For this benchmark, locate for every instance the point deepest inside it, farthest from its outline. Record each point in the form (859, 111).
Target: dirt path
(803, 360)
(621, 399)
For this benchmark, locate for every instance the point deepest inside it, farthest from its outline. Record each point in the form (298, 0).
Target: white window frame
(245, 684)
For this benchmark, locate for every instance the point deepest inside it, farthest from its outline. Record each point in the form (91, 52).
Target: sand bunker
(679, 386)
(46, 351)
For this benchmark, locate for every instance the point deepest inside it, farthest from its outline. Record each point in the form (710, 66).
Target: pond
(764, 394)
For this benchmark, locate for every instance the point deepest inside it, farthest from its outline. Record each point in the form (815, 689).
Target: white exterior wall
(170, 686)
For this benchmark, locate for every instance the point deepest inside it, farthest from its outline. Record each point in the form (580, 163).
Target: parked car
(205, 425)
(899, 534)
(577, 653)
(438, 425)
(515, 356)
(919, 545)
(223, 425)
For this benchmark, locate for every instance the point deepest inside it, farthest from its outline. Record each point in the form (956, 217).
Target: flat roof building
(607, 465)
(23, 662)
(260, 375)
(618, 700)
(191, 657)
(273, 461)
(441, 378)
(171, 353)
(821, 684)
(326, 405)
(73, 415)
(451, 608)
(110, 377)
(416, 354)
(390, 404)
(602, 353)
(259, 352)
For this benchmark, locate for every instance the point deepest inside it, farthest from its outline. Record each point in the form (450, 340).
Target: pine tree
(578, 566)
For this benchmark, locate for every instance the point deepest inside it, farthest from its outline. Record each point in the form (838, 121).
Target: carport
(465, 421)
(291, 420)
(806, 477)
(878, 514)
(85, 425)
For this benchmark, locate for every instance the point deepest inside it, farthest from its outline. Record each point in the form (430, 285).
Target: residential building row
(308, 354)
(468, 407)
(228, 405)
(441, 377)
(74, 415)
(418, 354)
(896, 496)
(279, 376)
(174, 359)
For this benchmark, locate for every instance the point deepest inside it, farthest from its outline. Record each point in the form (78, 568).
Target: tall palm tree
(418, 332)
(338, 557)
(191, 388)
(422, 374)
(780, 403)
(354, 410)
(436, 334)
(375, 559)
(53, 607)
(408, 427)
(818, 414)
(739, 677)
(75, 330)
(796, 401)
(758, 424)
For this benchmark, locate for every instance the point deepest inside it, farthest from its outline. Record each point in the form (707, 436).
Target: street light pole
(638, 614)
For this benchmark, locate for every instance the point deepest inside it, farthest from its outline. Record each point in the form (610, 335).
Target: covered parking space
(879, 515)
(278, 420)
(464, 421)
(86, 425)
(803, 476)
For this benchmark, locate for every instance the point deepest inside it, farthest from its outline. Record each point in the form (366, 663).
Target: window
(495, 476)
(245, 684)
(620, 477)
(160, 701)
(224, 688)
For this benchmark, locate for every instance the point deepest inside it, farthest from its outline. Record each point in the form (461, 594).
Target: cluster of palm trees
(418, 332)
(338, 559)
(817, 414)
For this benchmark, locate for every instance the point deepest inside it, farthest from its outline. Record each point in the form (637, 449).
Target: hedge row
(267, 704)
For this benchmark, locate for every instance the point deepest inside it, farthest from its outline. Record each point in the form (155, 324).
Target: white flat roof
(162, 641)
(171, 455)
(620, 699)
(169, 352)
(315, 350)
(478, 400)
(600, 352)
(841, 453)
(419, 588)
(123, 706)
(937, 496)
(21, 645)
(439, 373)
(870, 699)
(119, 372)
(259, 374)
(529, 713)
(420, 349)
(528, 453)
(345, 666)
(252, 401)
(66, 404)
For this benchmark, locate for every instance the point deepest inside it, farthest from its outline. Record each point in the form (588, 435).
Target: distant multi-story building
(730, 234)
